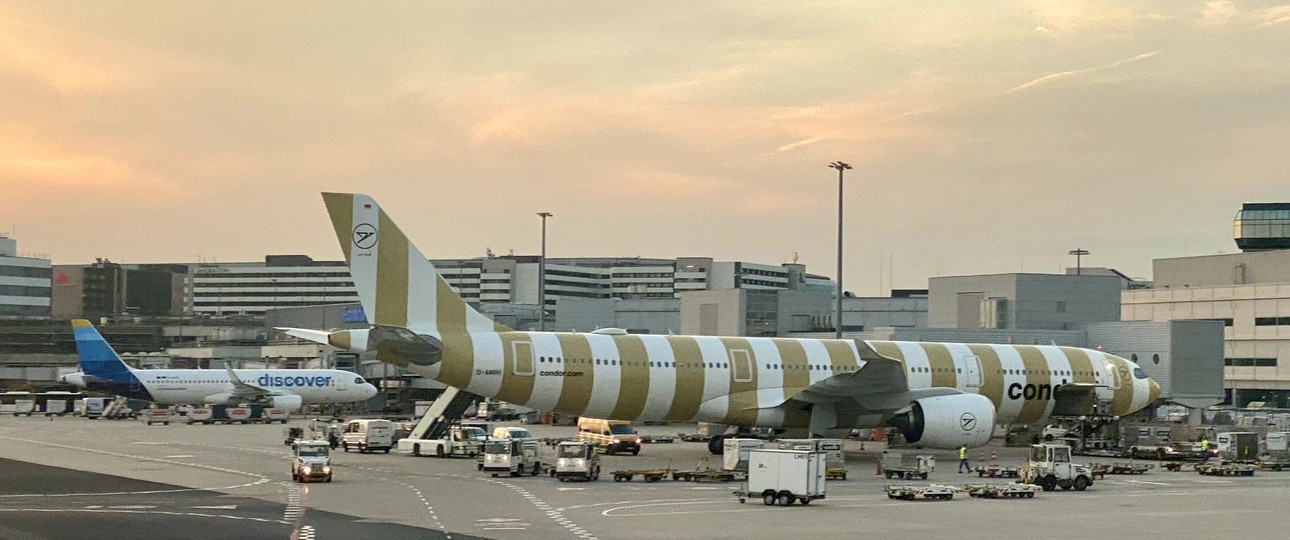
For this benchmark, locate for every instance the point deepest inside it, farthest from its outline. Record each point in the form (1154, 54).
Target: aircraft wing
(245, 390)
(878, 387)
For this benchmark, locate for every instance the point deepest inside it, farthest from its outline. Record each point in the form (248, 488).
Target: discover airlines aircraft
(102, 369)
(941, 395)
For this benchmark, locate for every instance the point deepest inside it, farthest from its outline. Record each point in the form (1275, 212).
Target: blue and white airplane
(102, 369)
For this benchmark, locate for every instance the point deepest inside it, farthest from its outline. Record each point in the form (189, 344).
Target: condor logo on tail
(271, 380)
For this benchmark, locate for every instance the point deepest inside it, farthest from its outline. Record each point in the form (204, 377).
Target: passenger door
(522, 358)
(741, 365)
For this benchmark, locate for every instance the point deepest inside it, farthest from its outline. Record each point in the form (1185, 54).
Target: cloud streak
(1053, 77)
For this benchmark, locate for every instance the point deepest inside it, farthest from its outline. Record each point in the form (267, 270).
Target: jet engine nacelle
(290, 403)
(948, 421)
(225, 398)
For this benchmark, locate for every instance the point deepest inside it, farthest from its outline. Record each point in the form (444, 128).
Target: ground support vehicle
(293, 434)
(1238, 446)
(368, 435)
(1225, 469)
(1125, 468)
(576, 461)
(835, 461)
(931, 492)
(458, 441)
(649, 475)
(997, 471)
(707, 475)
(1005, 491)
(1268, 463)
(311, 461)
(155, 416)
(692, 437)
(907, 466)
(657, 439)
(613, 436)
(784, 476)
(1050, 467)
(200, 415)
(511, 456)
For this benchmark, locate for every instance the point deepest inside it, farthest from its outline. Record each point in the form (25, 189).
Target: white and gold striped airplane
(941, 395)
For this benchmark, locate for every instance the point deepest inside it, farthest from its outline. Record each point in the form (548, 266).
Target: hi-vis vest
(962, 452)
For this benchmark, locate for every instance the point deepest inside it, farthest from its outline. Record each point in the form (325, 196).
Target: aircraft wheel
(716, 445)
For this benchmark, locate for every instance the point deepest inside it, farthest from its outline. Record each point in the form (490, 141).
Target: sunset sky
(989, 136)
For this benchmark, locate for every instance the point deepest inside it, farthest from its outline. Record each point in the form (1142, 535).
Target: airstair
(449, 407)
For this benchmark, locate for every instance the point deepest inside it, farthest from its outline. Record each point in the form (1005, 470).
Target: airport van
(511, 433)
(612, 435)
(368, 435)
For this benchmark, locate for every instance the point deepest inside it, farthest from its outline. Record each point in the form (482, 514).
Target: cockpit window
(1138, 373)
(358, 380)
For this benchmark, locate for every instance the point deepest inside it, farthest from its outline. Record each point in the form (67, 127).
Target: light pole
(1079, 253)
(542, 276)
(841, 167)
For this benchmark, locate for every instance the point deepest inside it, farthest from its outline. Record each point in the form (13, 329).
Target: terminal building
(24, 283)
(1248, 293)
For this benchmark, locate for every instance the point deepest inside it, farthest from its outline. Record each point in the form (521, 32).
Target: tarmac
(76, 478)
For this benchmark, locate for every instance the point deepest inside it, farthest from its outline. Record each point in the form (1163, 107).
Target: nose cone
(1153, 391)
(368, 390)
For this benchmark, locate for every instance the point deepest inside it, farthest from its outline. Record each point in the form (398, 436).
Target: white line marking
(1148, 483)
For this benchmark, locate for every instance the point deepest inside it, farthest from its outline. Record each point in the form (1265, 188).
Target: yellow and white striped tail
(396, 284)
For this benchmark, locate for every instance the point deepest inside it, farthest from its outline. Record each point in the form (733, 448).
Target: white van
(368, 435)
(511, 433)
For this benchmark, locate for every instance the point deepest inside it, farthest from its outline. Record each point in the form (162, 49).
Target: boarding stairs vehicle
(438, 432)
(1050, 467)
(576, 461)
(311, 460)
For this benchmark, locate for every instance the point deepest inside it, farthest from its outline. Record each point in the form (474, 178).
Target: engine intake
(948, 421)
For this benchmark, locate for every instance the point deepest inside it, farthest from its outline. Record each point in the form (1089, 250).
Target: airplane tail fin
(396, 284)
(96, 356)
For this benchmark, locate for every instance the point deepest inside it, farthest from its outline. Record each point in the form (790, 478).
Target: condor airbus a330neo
(102, 369)
(941, 395)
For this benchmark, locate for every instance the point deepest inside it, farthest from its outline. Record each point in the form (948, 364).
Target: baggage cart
(930, 492)
(907, 466)
(649, 475)
(1005, 491)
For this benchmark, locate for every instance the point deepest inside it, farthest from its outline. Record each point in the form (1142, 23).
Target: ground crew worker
(1204, 448)
(963, 462)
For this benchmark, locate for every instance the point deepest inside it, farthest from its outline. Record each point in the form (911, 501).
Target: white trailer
(784, 476)
(834, 457)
